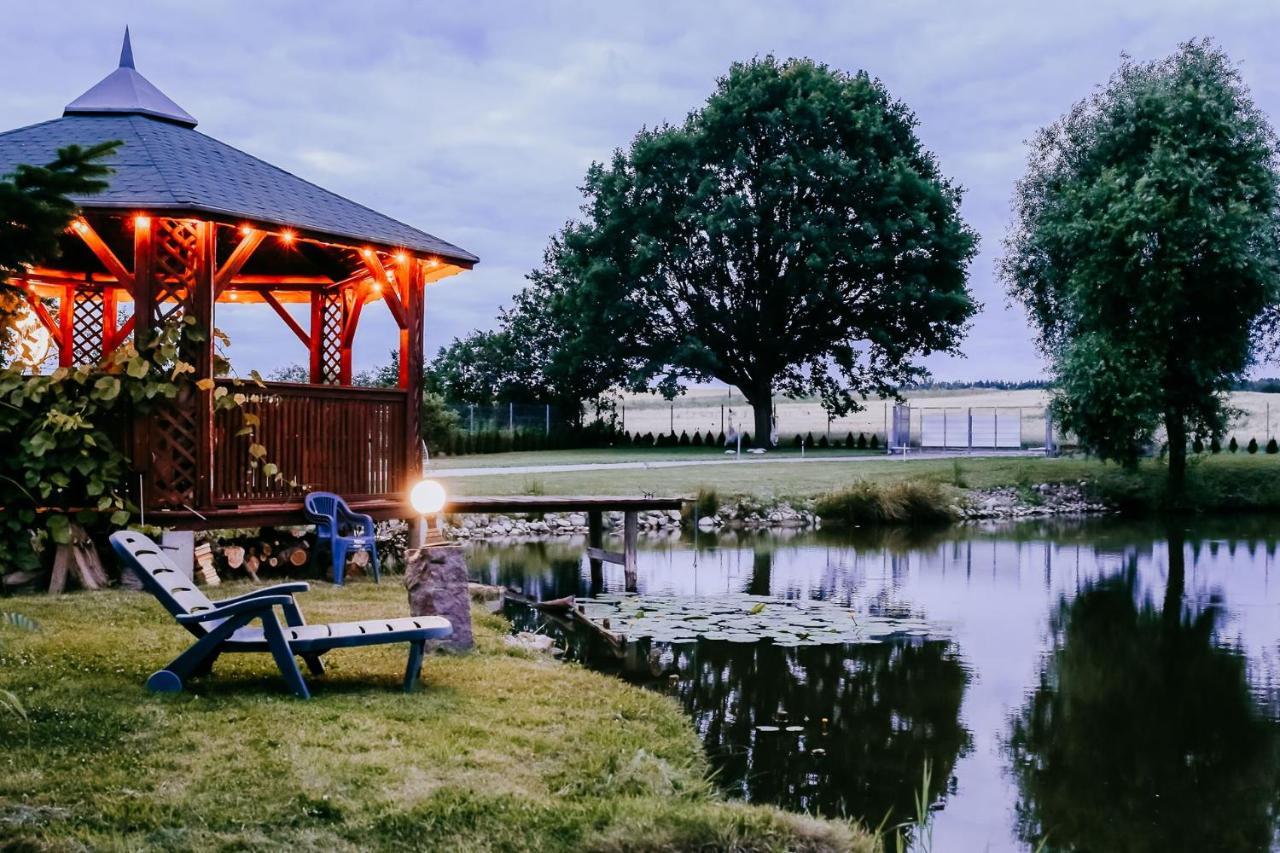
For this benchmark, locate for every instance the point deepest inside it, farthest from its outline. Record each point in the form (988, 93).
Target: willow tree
(1146, 251)
(792, 235)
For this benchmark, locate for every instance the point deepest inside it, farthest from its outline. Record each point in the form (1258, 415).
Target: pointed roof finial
(127, 92)
(126, 51)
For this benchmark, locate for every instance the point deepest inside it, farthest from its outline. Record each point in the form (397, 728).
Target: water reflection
(1143, 733)
(1091, 680)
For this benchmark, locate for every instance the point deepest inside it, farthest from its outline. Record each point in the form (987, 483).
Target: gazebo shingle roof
(165, 164)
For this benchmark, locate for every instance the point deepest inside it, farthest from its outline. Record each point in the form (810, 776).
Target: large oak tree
(1146, 249)
(792, 236)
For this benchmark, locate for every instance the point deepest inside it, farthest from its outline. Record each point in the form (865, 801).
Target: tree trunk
(761, 399)
(1177, 582)
(1176, 431)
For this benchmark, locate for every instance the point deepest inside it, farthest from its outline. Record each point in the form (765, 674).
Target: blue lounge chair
(331, 516)
(225, 626)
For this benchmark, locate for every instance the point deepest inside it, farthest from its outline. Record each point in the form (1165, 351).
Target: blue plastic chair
(333, 519)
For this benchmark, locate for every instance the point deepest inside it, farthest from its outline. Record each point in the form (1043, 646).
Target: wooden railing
(340, 439)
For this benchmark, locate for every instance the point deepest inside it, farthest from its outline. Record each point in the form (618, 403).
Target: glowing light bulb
(79, 225)
(427, 497)
(376, 287)
(401, 257)
(368, 253)
(141, 221)
(245, 230)
(287, 235)
(233, 296)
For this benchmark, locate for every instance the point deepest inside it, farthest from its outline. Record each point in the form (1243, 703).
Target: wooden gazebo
(189, 222)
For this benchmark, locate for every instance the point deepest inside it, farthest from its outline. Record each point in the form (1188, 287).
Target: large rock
(436, 578)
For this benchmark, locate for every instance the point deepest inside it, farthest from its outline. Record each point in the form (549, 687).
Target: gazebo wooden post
(143, 317)
(201, 301)
(108, 318)
(411, 335)
(316, 350)
(66, 326)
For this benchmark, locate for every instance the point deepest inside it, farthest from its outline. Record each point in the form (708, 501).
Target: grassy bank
(1215, 482)
(497, 751)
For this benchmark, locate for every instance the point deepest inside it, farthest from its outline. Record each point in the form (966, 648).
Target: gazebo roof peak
(126, 92)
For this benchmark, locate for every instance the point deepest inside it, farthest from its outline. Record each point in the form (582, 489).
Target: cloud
(476, 121)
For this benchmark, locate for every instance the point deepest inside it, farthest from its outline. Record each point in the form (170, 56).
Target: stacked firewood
(269, 551)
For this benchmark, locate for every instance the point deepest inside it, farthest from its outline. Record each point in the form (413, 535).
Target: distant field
(708, 409)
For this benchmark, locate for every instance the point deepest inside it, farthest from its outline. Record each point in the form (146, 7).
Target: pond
(1116, 686)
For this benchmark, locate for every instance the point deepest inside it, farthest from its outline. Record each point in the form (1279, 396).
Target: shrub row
(699, 439)
(1215, 446)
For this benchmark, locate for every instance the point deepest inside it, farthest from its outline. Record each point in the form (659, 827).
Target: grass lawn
(1241, 479)
(626, 454)
(496, 751)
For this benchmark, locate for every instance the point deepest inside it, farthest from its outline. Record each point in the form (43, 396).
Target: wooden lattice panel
(175, 266)
(174, 436)
(86, 327)
(332, 314)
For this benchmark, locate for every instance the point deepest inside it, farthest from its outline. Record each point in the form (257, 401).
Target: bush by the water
(866, 502)
(1272, 447)
(1253, 445)
(1234, 445)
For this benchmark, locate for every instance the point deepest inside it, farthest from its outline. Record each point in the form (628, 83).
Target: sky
(476, 121)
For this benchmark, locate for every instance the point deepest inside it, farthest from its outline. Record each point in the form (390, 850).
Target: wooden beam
(411, 363)
(268, 298)
(239, 257)
(42, 314)
(143, 275)
(103, 252)
(113, 343)
(353, 316)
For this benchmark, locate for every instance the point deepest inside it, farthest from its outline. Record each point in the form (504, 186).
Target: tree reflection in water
(872, 715)
(1142, 734)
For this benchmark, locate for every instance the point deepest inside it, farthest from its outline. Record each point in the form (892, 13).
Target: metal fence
(971, 428)
(509, 417)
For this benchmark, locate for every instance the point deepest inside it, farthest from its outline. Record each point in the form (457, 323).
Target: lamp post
(427, 498)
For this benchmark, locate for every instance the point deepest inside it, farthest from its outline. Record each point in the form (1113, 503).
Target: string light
(401, 257)
(433, 263)
(245, 230)
(141, 221)
(79, 225)
(376, 287)
(368, 253)
(286, 235)
(233, 296)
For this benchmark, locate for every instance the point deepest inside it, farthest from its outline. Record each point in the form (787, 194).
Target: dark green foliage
(648, 440)
(697, 438)
(439, 423)
(875, 441)
(1215, 446)
(862, 441)
(683, 441)
(1253, 445)
(720, 438)
(1146, 247)
(1272, 447)
(809, 442)
(822, 442)
(750, 243)
(849, 441)
(1233, 446)
(746, 440)
(1197, 446)
(798, 441)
